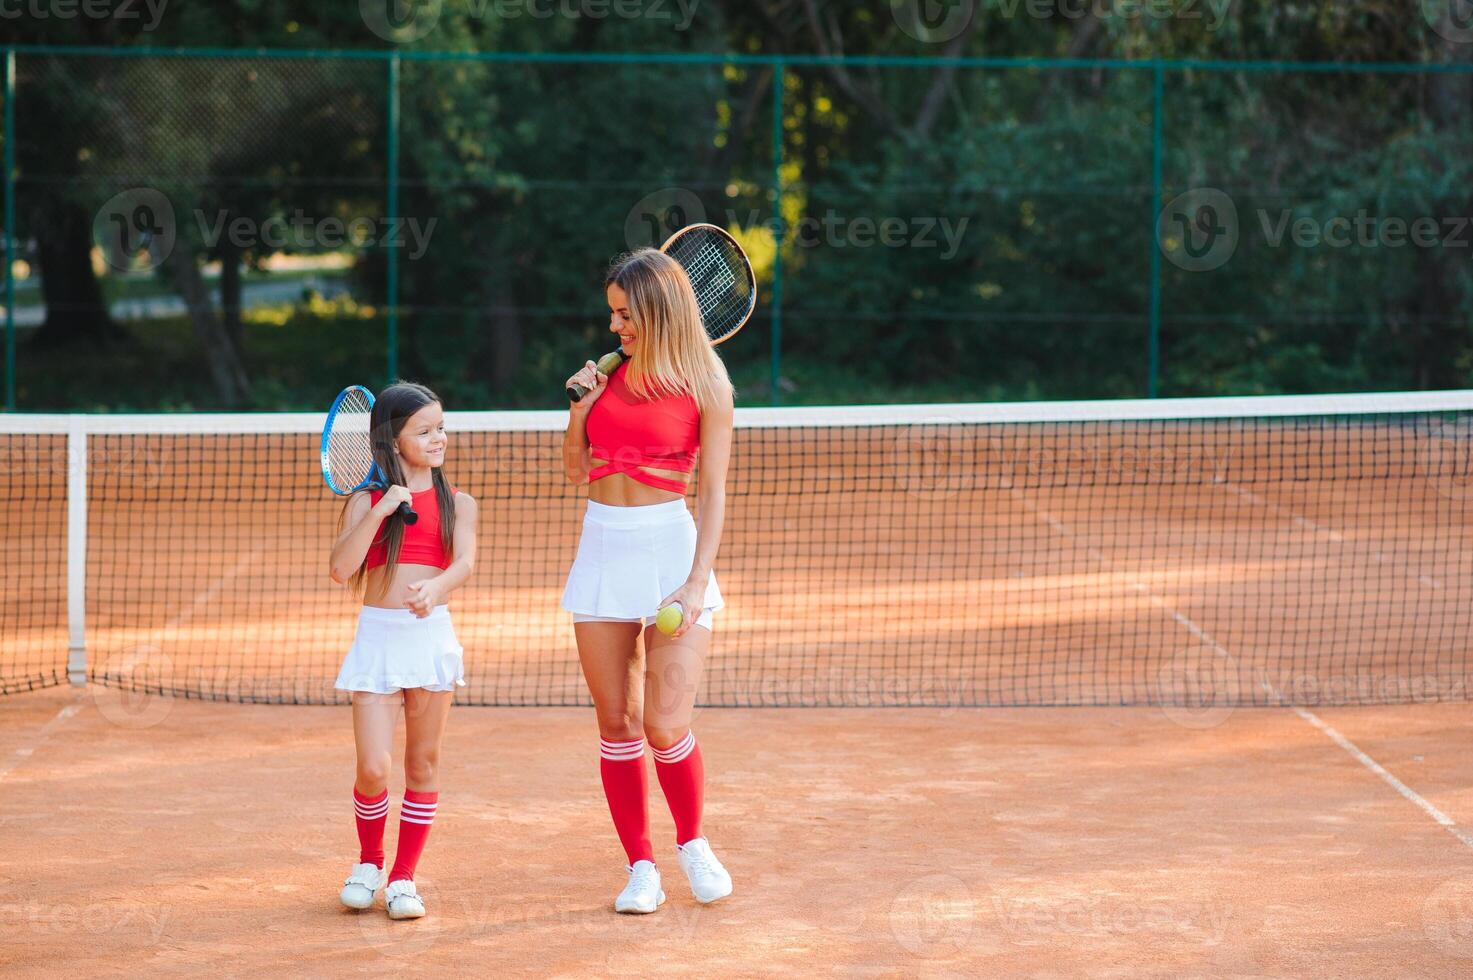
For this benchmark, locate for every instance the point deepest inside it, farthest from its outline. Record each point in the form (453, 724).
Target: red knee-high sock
(683, 778)
(371, 815)
(416, 814)
(627, 787)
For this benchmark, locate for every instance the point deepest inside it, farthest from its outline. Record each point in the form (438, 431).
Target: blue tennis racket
(347, 449)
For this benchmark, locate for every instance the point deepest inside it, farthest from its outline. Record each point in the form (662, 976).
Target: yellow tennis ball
(668, 620)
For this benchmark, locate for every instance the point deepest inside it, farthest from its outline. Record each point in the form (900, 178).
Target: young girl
(633, 439)
(405, 651)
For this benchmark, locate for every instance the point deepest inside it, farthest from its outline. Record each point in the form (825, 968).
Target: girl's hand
(392, 498)
(692, 599)
(593, 380)
(423, 597)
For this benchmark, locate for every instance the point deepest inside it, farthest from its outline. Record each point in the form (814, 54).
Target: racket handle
(407, 515)
(576, 392)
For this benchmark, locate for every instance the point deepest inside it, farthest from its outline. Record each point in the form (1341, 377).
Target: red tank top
(421, 544)
(630, 432)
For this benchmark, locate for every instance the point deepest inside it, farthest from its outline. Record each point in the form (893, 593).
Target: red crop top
(421, 544)
(630, 432)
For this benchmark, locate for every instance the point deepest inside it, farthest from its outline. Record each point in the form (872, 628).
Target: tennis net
(1205, 551)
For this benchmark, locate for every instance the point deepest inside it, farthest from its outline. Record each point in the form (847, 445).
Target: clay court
(1003, 695)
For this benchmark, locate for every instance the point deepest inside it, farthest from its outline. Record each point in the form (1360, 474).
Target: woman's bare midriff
(622, 490)
(398, 591)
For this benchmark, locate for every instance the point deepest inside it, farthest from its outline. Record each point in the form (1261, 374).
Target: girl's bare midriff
(621, 490)
(398, 590)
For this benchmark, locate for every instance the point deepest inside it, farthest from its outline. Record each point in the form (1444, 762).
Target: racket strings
(349, 448)
(720, 277)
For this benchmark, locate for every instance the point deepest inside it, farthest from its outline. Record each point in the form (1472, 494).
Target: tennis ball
(610, 362)
(669, 619)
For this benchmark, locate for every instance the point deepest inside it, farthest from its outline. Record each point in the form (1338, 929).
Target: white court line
(1187, 623)
(26, 751)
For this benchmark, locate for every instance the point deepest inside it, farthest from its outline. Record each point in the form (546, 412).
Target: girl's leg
(425, 713)
(374, 718)
(609, 653)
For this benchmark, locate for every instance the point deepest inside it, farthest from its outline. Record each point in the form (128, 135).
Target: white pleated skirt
(629, 558)
(394, 649)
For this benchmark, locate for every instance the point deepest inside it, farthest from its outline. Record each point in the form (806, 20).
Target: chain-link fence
(221, 229)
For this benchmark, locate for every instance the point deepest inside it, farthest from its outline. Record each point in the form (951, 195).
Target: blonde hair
(673, 356)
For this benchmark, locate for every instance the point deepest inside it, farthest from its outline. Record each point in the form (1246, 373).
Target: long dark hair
(391, 410)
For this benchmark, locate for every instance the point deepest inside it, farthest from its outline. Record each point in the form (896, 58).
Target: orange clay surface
(162, 837)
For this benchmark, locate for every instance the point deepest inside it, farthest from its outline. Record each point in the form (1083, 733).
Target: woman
(405, 651)
(634, 439)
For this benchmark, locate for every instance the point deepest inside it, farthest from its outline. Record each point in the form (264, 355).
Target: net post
(778, 78)
(1158, 93)
(76, 550)
(9, 229)
(391, 287)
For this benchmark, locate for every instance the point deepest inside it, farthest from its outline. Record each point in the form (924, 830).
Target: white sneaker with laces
(709, 881)
(363, 883)
(643, 893)
(402, 901)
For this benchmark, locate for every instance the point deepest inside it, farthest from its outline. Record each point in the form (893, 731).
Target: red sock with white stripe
(416, 814)
(371, 815)
(627, 788)
(683, 778)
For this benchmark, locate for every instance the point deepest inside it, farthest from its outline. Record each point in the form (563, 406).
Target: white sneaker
(643, 893)
(708, 879)
(402, 901)
(363, 883)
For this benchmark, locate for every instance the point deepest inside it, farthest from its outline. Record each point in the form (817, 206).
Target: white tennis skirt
(629, 558)
(394, 649)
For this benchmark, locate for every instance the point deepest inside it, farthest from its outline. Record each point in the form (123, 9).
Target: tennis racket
(726, 289)
(347, 450)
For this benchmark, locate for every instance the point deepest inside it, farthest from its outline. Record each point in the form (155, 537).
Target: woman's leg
(424, 728)
(609, 653)
(374, 718)
(672, 681)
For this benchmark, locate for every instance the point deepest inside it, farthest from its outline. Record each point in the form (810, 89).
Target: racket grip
(407, 515)
(576, 392)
